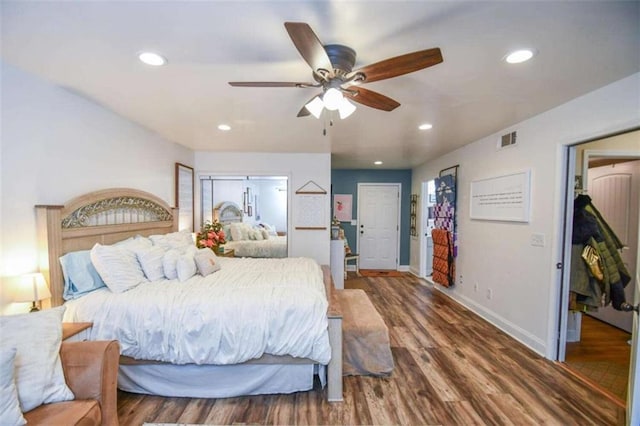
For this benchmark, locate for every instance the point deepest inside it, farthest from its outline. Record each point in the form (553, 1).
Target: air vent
(508, 140)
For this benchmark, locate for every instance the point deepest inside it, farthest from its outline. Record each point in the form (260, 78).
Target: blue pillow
(80, 276)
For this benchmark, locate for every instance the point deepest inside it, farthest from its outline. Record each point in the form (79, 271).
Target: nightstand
(75, 331)
(228, 253)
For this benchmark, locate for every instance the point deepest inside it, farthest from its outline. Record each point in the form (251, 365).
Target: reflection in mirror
(252, 210)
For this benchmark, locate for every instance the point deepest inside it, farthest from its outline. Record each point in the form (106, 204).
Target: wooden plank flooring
(452, 368)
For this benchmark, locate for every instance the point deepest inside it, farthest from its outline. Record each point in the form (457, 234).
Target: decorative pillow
(236, 232)
(174, 240)
(186, 266)
(245, 229)
(118, 267)
(134, 243)
(38, 371)
(206, 261)
(265, 234)
(170, 264)
(80, 276)
(151, 262)
(257, 234)
(9, 407)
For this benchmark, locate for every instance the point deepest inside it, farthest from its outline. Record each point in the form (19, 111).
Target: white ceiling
(91, 47)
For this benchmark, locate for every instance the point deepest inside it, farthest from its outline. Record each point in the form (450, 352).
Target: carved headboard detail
(103, 217)
(227, 212)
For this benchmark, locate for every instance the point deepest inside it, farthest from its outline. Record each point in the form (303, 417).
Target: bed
(258, 241)
(170, 365)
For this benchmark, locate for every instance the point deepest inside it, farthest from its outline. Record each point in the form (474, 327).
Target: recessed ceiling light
(425, 126)
(377, 163)
(224, 127)
(519, 56)
(151, 58)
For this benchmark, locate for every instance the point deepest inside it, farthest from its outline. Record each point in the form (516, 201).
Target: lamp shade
(346, 108)
(32, 288)
(332, 99)
(315, 106)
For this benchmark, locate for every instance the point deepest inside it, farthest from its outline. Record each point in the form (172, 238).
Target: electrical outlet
(489, 293)
(460, 280)
(475, 286)
(537, 240)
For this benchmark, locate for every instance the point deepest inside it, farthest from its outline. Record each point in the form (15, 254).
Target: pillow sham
(236, 232)
(265, 234)
(9, 407)
(151, 262)
(36, 337)
(206, 262)
(170, 264)
(80, 276)
(118, 267)
(173, 240)
(134, 243)
(186, 266)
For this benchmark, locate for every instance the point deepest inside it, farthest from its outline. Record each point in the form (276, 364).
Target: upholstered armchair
(91, 372)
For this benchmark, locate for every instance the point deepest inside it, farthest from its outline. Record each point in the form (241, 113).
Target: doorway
(379, 225)
(599, 346)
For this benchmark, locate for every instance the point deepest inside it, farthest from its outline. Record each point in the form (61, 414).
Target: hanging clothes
(590, 228)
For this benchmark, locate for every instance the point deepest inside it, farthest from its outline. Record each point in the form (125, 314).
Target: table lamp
(33, 288)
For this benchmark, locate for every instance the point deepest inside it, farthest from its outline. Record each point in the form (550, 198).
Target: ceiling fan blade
(399, 65)
(309, 46)
(271, 84)
(370, 98)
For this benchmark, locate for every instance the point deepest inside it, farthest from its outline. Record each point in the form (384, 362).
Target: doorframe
(569, 153)
(399, 218)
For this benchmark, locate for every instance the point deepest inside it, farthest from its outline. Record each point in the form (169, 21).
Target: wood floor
(602, 355)
(452, 368)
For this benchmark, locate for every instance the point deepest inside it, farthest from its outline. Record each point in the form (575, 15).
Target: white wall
(498, 255)
(57, 145)
(300, 168)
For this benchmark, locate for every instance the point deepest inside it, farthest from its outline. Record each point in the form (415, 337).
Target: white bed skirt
(214, 381)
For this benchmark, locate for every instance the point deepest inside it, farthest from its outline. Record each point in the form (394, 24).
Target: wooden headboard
(227, 212)
(103, 217)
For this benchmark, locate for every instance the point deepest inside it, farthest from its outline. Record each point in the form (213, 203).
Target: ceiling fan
(332, 67)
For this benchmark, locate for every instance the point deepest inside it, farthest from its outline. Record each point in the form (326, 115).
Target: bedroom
(57, 144)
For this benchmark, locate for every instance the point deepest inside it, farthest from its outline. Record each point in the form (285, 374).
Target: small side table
(228, 253)
(75, 330)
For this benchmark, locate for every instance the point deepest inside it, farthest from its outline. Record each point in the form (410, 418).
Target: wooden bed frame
(113, 215)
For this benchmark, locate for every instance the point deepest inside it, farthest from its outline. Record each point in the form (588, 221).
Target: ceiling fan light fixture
(315, 106)
(151, 58)
(346, 108)
(332, 99)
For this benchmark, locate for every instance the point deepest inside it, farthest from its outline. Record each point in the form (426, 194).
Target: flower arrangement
(211, 235)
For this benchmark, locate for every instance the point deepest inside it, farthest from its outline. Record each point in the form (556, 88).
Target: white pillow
(118, 267)
(170, 264)
(206, 261)
(38, 370)
(265, 234)
(186, 267)
(9, 407)
(258, 234)
(174, 240)
(134, 243)
(236, 231)
(151, 262)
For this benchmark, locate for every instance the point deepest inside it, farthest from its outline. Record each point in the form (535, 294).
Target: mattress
(249, 308)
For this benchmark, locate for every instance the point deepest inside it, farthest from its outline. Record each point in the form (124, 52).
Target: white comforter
(274, 247)
(249, 308)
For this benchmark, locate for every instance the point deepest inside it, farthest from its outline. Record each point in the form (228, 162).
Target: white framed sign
(502, 198)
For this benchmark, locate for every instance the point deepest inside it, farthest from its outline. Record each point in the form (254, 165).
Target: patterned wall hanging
(444, 236)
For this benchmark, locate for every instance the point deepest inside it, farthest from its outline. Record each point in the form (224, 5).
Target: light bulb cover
(153, 59)
(346, 108)
(519, 56)
(332, 99)
(315, 106)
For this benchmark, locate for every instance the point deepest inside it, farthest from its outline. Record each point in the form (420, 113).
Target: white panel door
(378, 225)
(614, 191)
